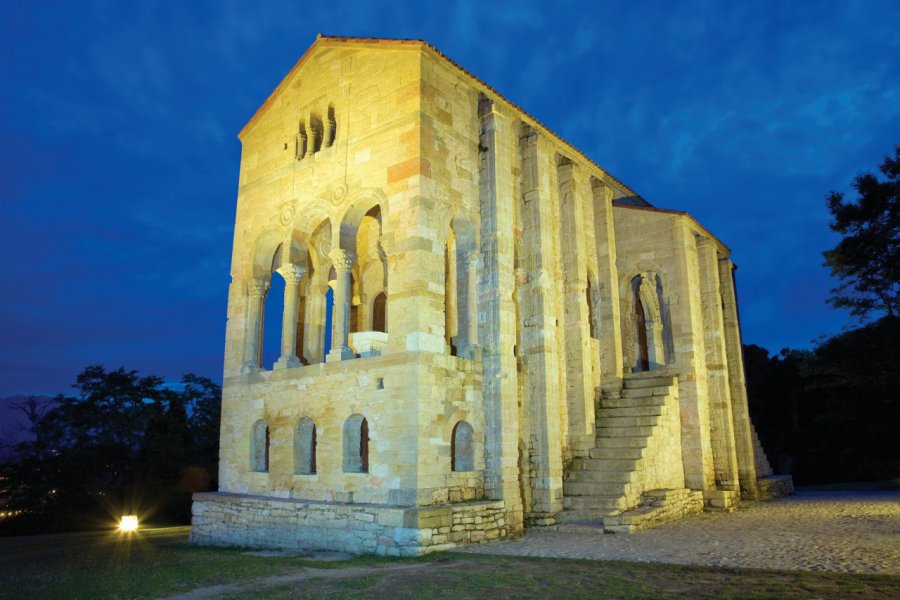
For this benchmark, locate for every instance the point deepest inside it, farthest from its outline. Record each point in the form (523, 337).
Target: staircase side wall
(662, 465)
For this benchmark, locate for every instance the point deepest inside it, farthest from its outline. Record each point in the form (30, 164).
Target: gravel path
(847, 532)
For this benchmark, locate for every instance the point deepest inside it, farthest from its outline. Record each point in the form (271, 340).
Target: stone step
(643, 431)
(595, 488)
(606, 464)
(647, 392)
(633, 402)
(592, 503)
(644, 381)
(631, 411)
(585, 464)
(621, 464)
(622, 442)
(616, 453)
(600, 476)
(638, 421)
(598, 502)
(668, 495)
(583, 515)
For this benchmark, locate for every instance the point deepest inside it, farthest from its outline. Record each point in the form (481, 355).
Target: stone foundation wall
(221, 519)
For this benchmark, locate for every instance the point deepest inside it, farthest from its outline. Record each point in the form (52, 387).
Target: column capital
(257, 287)
(488, 112)
(530, 135)
(602, 189)
(292, 273)
(342, 260)
(703, 241)
(568, 172)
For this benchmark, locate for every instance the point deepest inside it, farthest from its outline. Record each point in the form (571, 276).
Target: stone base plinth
(774, 486)
(222, 519)
(661, 506)
(722, 500)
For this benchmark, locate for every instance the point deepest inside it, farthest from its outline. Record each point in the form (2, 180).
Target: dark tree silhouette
(122, 442)
(867, 259)
(830, 414)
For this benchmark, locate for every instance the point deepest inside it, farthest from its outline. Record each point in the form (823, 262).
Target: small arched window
(305, 447)
(379, 313)
(593, 300)
(356, 444)
(331, 131)
(259, 447)
(462, 454)
(317, 132)
(301, 142)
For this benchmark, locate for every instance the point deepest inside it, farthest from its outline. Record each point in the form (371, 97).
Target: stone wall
(411, 400)
(221, 519)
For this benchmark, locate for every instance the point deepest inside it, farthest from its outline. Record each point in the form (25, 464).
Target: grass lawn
(158, 563)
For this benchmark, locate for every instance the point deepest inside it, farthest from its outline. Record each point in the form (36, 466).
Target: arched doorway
(643, 358)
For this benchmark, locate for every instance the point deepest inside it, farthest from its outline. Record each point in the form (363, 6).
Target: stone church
(482, 329)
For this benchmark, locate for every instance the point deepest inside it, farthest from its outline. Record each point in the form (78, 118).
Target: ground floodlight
(128, 523)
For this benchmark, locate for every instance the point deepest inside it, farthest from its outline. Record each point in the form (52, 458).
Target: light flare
(128, 523)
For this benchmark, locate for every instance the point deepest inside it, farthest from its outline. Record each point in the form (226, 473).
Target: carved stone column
(611, 342)
(343, 262)
(292, 275)
(256, 293)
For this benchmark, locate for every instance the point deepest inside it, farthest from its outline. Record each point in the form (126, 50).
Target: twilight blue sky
(119, 161)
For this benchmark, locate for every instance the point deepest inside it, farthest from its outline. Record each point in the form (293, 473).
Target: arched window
(379, 313)
(272, 314)
(462, 454)
(593, 301)
(316, 131)
(301, 142)
(331, 130)
(356, 444)
(450, 293)
(259, 447)
(305, 447)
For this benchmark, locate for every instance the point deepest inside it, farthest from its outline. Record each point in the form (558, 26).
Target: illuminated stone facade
(482, 329)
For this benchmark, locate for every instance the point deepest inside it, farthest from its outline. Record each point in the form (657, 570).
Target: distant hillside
(13, 424)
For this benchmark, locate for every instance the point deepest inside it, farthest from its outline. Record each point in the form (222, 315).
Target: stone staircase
(603, 485)
(768, 485)
(763, 468)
